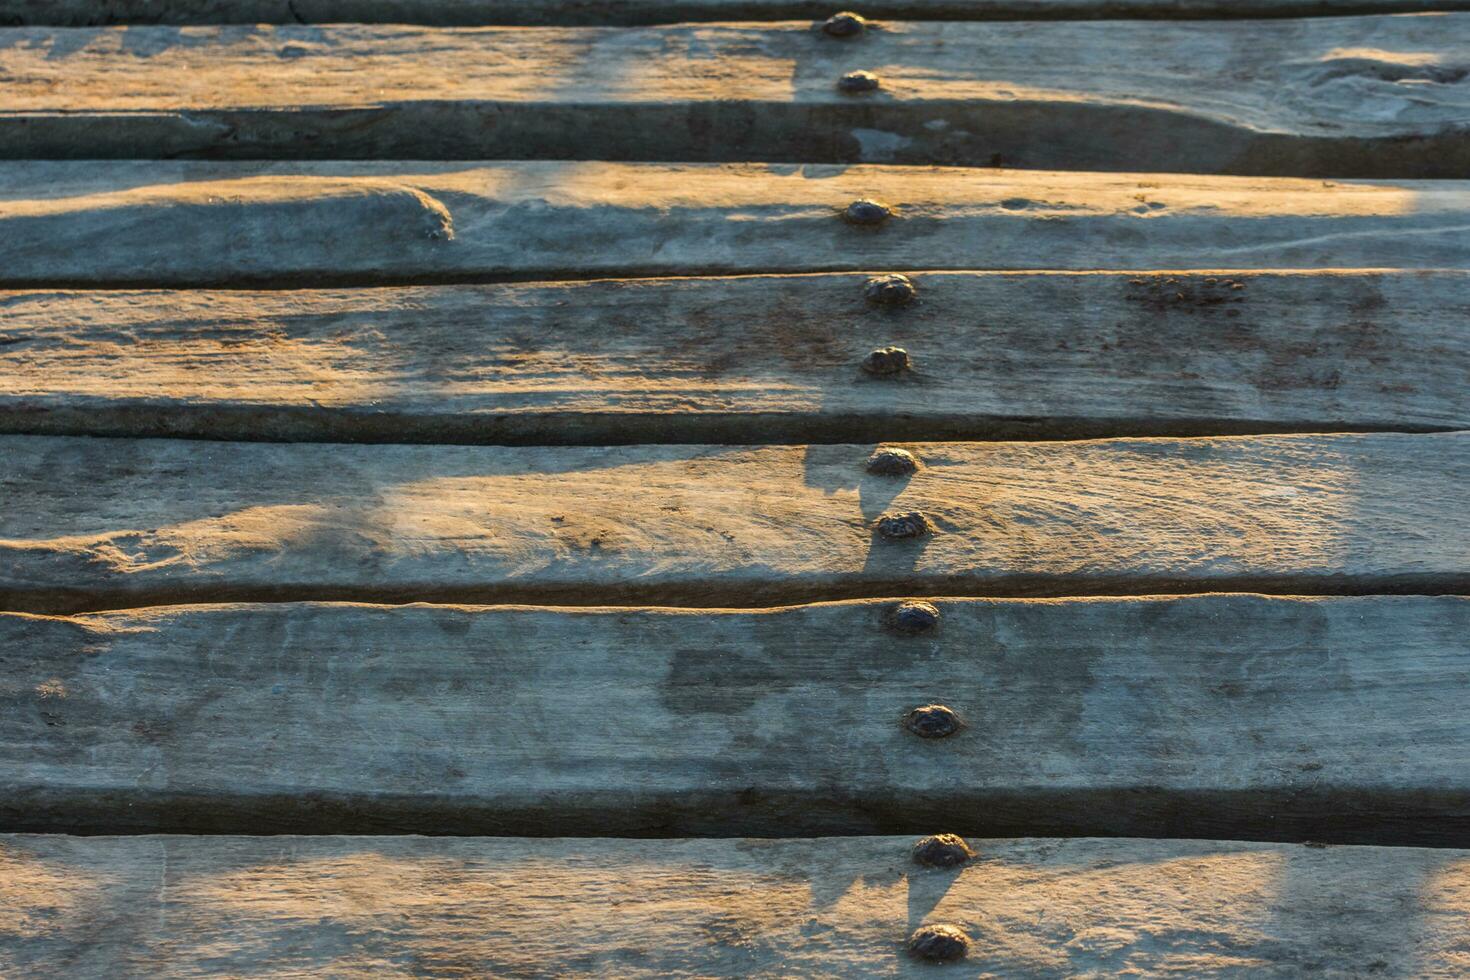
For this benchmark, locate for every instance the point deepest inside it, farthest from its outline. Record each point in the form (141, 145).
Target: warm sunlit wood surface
(1334, 97)
(195, 224)
(107, 522)
(719, 359)
(404, 906)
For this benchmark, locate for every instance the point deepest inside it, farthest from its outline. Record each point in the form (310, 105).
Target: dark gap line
(674, 12)
(1333, 815)
(338, 427)
(715, 594)
(317, 280)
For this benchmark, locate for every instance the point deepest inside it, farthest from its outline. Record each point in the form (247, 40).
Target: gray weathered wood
(746, 359)
(605, 12)
(1334, 97)
(163, 907)
(99, 523)
(1227, 715)
(194, 224)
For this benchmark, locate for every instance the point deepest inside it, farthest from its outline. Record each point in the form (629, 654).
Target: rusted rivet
(892, 290)
(844, 23)
(896, 527)
(933, 721)
(867, 211)
(942, 851)
(913, 617)
(855, 82)
(892, 462)
(939, 943)
(886, 360)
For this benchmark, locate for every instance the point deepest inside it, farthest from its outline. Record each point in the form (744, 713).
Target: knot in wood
(942, 851)
(897, 527)
(890, 290)
(844, 23)
(892, 462)
(856, 82)
(886, 360)
(939, 943)
(866, 211)
(913, 617)
(933, 721)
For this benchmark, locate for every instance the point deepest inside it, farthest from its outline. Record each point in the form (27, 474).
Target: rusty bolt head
(857, 82)
(933, 721)
(913, 617)
(886, 360)
(844, 23)
(897, 527)
(867, 211)
(939, 943)
(892, 462)
(892, 290)
(942, 851)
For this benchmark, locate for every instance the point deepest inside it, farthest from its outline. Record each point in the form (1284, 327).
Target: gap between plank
(723, 595)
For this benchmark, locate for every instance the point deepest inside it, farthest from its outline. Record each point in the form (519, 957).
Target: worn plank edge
(470, 13)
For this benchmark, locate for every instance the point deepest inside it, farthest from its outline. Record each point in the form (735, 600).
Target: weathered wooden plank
(197, 224)
(607, 12)
(1227, 715)
(829, 908)
(744, 359)
(99, 523)
(1337, 97)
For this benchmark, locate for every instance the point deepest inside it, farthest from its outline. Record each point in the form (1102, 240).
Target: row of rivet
(890, 290)
(940, 942)
(937, 942)
(847, 24)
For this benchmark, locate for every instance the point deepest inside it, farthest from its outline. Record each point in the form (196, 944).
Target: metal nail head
(939, 943)
(858, 82)
(898, 527)
(890, 290)
(933, 721)
(892, 462)
(844, 23)
(867, 211)
(942, 851)
(886, 361)
(913, 617)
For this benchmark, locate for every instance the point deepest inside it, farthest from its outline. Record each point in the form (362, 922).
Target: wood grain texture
(162, 223)
(1226, 715)
(609, 12)
(1344, 97)
(99, 523)
(167, 907)
(735, 360)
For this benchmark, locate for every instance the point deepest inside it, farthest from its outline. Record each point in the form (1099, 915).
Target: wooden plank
(1333, 97)
(829, 908)
(1228, 715)
(626, 12)
(742, 359)
(99, 523)
(161, 223)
